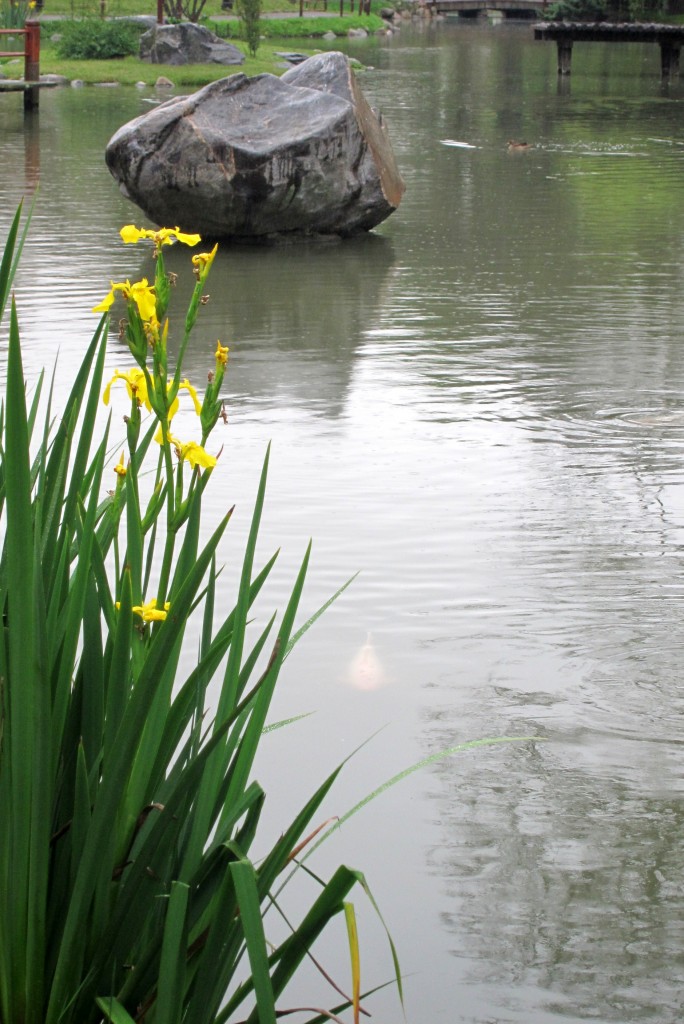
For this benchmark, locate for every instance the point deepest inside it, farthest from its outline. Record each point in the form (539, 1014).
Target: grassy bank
(212, 9)
(302, 28)
(129, 70)
(276, 32)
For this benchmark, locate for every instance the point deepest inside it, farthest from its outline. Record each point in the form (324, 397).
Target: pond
(481, 407)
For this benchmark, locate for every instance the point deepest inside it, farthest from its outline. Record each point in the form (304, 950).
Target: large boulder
(264, 156)
(187, 44)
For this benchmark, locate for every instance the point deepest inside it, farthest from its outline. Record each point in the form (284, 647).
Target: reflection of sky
(481, 410)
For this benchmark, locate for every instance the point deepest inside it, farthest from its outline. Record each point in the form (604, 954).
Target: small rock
(144, 20)
(107, 85)
(329, 36)
(357, 33)
(292, 58)
(54, 79)
(76, 83)
(187, 44)
(163, 83)
(140, 85)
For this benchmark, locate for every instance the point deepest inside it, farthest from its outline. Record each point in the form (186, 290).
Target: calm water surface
(482, 408)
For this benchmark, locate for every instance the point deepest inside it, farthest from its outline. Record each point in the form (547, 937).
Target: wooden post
(32, 64)
(669, 59)
(564, 56)
(160, 12)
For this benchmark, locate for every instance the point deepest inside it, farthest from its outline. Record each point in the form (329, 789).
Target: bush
(93, 39)
(13, 13)
(249, 13)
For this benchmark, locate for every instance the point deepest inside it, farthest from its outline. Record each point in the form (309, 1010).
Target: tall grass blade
(353, 937)
(249, 907)
(169, 1004)
(27, 709)
(10, 258)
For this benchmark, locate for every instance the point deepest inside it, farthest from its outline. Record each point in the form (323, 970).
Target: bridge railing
(31, 55)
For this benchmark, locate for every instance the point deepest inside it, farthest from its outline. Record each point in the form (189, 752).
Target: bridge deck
(607, 32)
(669, 37)
(459, 6)
(464, 6)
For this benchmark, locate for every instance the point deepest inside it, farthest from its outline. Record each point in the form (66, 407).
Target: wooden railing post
(32, 64)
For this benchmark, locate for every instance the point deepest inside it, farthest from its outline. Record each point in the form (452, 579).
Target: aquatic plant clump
(13, 13)
(128, 804)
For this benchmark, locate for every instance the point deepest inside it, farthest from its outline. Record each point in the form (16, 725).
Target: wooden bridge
(473, 8)
(670, 38)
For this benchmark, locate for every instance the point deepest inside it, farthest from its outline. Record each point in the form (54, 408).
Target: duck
(514, 144)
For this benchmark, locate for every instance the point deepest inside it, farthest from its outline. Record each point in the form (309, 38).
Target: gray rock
(54, 79)
(77, 83)
(143, 20)
(291, 58)
(187, 44)
(163, 83)
(329, 36)
(357, 33)
(250, 158)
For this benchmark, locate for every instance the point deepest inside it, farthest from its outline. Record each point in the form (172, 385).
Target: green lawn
(300, 32)
(129, 70)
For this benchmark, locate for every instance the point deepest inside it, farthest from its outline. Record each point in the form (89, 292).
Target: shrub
(93, 39)
(13, 13)
(249, 13)
(183, 10)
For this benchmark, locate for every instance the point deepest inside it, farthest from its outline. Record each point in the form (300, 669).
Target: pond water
(481, 407)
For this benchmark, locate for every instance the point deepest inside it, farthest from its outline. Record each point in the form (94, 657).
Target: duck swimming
(513, 144)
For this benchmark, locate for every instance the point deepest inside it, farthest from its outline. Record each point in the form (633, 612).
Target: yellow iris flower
(189, 451)
(221, 354)
(185, 385)
(196, 455)
(140, 292)
(120, 468)
(203, 260)
(149, 612)
(136, 386)
(164, 236)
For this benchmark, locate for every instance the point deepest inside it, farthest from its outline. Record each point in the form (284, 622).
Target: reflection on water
(480, 407)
